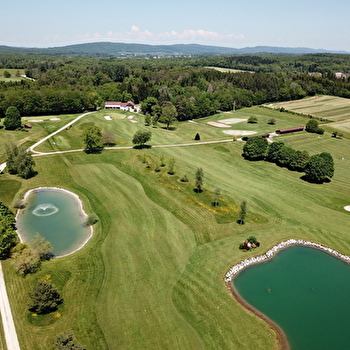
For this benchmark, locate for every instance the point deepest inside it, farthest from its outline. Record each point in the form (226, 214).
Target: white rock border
(81, 209)
(270, 253)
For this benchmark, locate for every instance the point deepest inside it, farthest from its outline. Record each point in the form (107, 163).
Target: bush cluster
(312, 126)
(249, 244)
(318, 168)
(19, 161)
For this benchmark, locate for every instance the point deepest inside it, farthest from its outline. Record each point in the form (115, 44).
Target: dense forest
(67, 85)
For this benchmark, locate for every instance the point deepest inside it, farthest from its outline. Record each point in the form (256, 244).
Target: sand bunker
(347, 207)
(35, 120)
(219, 125)
(131, 118)
(55, 119)
(107, 117)
(232, 121)
(239, 132)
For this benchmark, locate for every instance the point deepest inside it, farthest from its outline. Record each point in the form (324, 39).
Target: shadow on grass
(313, 181)
(170, 128)
(142, 146)
(93, 150)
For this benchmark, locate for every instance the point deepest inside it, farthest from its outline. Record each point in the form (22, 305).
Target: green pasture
(152, 276)
(327, 107)
(228, 70)
(15, 74)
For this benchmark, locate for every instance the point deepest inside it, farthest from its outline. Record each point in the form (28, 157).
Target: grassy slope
(327, 107)
(152, 276)
(29, 137)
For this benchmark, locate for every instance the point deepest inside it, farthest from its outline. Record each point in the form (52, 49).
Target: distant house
(28, 126)
(340, 75)
(124, 106)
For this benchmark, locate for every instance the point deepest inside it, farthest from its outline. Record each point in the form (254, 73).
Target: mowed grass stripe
(149, 248)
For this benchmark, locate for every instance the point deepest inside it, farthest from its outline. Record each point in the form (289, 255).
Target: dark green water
(57, 216)
(306, 292)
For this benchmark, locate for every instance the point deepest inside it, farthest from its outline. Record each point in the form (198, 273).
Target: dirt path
(6, 316)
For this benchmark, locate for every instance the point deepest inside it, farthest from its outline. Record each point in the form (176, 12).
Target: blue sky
(231, 23)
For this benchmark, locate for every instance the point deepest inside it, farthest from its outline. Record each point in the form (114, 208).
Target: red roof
(122, 104)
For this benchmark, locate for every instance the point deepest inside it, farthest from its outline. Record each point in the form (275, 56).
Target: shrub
(66, 342)
(184, 179)
(91, 220)
(249, 244)
(19, 204)
(252, 120)
(171, 166)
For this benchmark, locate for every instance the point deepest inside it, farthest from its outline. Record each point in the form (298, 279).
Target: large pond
(306, 292)
(58, 216)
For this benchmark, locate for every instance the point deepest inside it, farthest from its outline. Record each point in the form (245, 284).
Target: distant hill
(109, 49)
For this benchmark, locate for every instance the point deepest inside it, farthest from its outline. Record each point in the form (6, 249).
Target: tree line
(71, 85)
(318, 168)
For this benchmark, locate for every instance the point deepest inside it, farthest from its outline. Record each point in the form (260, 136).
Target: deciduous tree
(169, 114)
(319, 167)
(199, 179)
(242, 213)
(25, 259)
(108, 138)
(12, 118)
(141, 137)
(92, 138)
(66, 342)
(255, 148)
(19, 161)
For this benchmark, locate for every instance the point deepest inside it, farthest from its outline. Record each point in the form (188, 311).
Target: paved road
(31, 148)
(6, 316)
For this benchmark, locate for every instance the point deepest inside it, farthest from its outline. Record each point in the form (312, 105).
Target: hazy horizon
(234, 24)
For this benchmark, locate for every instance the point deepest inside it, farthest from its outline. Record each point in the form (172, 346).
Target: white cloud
(136, 35)
(186, 35)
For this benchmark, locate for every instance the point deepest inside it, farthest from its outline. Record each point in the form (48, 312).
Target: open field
(15, 74)
(327, 107)
(228, 70)
(152, 275)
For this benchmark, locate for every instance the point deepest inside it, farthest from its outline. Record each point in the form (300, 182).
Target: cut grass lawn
(327, 107)
(28, 137)
(181, 132)
(15, 74)
(152, 276)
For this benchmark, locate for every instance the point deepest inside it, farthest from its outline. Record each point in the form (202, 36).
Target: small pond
(58, 216)
(306, 292)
